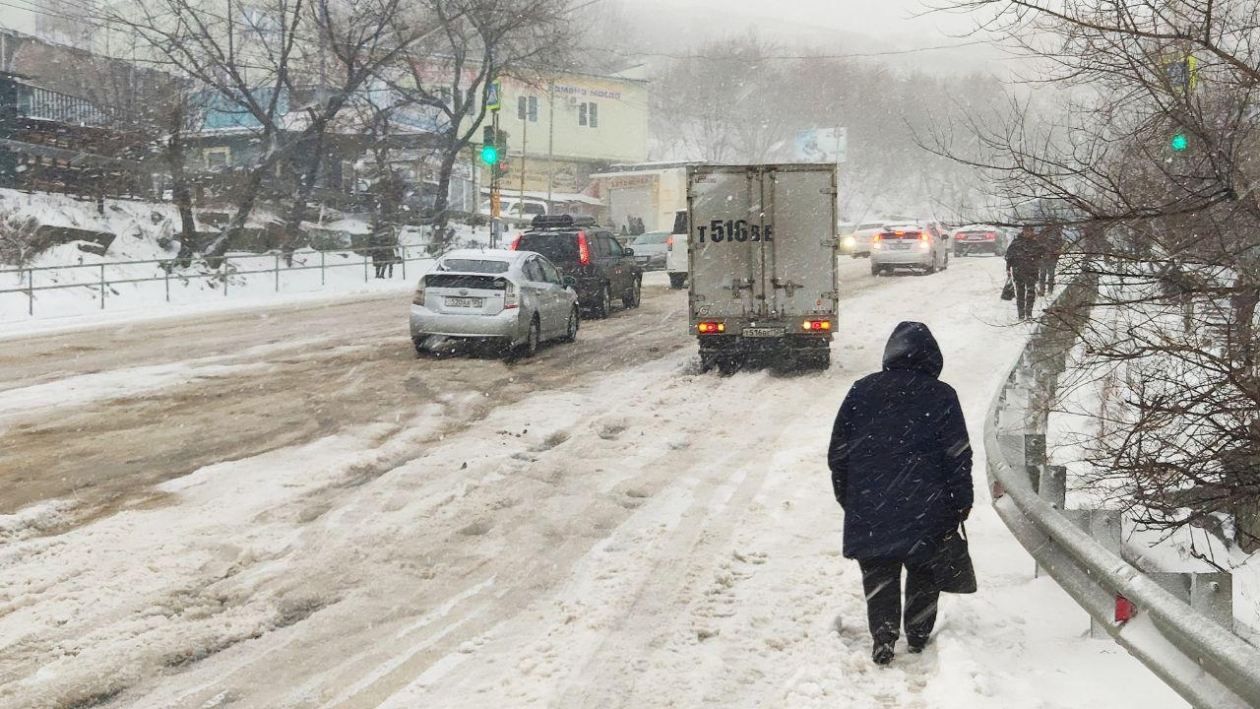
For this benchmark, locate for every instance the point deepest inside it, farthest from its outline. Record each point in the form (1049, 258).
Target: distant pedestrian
(1051, 240)
(1023, 265)
(900, 464)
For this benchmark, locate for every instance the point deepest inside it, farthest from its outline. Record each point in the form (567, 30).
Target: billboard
(824, 145)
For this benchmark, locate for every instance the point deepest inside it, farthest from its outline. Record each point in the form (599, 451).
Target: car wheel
(931, 268)
(875, 269)
(418, 343)
(677, 280)
(635, 296)
(727, 366)
(604, 307)
(534, 339)
(570, 334)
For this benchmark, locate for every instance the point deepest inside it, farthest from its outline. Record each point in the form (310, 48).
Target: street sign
(494, 96)
(1182, 72)
(823, 145)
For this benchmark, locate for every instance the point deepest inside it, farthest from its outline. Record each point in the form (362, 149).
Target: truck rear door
(725, 242)
(800, 204)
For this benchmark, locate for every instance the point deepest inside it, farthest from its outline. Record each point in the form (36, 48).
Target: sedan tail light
(991, 236)
(669, 242)
(418, 298)
(516, 243)
(875, 241)
(511, 296)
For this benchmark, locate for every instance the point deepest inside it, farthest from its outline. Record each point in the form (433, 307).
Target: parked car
(979, 239)
(516, 208)
(917, 246)
(650, 250)
(861, 239)
(676, 258)
(600, 267)
(516, 298)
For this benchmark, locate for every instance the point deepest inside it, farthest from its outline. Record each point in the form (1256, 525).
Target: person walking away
(1051, 241)
(900, 464)
(378, 244)
(1023, 263)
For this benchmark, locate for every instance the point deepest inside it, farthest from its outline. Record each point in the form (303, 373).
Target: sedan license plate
(900, 245)
(458, 302)
(764, 332)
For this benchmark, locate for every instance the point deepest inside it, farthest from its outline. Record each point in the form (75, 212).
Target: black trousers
(881, 579)
(1045, 274)
(1025, 293)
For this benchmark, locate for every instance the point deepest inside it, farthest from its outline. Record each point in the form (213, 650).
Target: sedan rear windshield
(461, 280)
(468, 265)
(557, 246)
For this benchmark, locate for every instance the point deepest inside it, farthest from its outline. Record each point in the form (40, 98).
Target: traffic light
(490, 150)
(501, 164)
(1179, 142)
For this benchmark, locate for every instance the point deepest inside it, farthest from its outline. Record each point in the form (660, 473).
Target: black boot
(883, 653)
(917, 644)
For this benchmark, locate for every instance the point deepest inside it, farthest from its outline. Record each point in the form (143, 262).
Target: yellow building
(566, 126)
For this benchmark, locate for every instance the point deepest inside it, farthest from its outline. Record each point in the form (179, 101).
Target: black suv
(603, 269)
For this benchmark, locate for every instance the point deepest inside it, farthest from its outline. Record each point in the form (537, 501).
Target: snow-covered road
(602, 526)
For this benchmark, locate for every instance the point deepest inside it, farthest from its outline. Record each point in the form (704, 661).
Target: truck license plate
(764, 332)
(456, 302)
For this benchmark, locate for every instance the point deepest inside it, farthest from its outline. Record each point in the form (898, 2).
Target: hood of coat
(912, 346)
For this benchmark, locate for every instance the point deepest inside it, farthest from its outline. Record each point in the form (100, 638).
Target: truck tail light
(816, 325)
(511, 297)
(584, 249)
(711, 328)
(669, 242)
(516, 243)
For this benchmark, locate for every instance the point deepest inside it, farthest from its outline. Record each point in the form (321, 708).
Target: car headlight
(848, 241)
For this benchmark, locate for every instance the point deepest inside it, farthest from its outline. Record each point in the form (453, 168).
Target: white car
(858, 244)
(514, 298)
(676, 252)
(916, 246)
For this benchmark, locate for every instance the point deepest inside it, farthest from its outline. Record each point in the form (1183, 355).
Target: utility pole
(520, 203)
(495, 202)
(551, 138)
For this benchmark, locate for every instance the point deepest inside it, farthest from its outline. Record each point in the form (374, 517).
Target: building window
(527, 108)
(588, 114)
(217, 158)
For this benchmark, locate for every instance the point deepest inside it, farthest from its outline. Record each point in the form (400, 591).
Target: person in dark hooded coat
(900, 462)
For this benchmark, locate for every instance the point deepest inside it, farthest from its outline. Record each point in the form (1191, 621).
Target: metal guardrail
(231, 267)
(1190, 650)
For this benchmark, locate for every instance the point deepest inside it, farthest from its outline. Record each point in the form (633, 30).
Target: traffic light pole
(495, 203)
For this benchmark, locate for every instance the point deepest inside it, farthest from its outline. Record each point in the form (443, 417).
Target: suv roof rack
(560, 221)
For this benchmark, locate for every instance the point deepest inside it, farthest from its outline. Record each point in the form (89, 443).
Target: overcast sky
(874, 17)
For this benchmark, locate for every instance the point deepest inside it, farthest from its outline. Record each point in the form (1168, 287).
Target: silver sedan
(516, 298)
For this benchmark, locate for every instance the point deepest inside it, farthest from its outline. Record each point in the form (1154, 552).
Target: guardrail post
(276, 269)
(365, 260)
(30, 292)
(321, 268)
(102, 286)
(1053, 489)
(1212, 594)
(166, 277)
(1035, 457)
(1105, 527)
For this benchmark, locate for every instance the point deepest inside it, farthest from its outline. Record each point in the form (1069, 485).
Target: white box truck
(762, 263)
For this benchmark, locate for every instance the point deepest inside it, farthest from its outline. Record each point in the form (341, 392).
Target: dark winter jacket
(1023, 257)
(900, 458)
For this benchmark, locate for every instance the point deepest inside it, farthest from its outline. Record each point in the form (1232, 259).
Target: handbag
(951, 565)
(1008, 290)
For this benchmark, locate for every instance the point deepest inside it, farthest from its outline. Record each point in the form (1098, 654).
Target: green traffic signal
(1179, 143)
(489, 154)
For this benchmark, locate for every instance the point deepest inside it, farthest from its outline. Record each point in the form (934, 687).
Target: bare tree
(1151, 152)
(473, 43)
(261, 63)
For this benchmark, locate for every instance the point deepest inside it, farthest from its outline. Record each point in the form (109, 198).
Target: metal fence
(100, 277)
(1178, 625)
